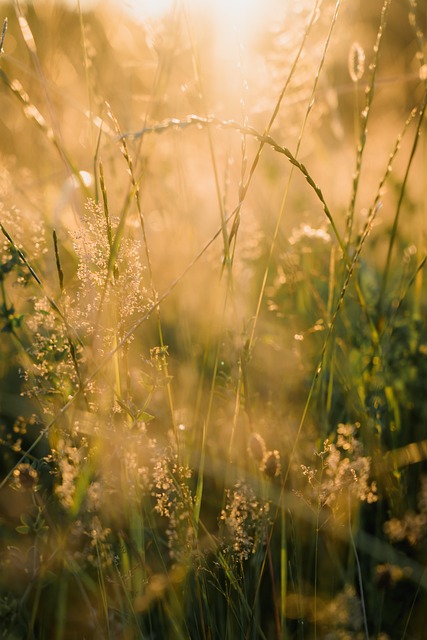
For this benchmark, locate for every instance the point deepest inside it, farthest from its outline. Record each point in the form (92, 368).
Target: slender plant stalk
(369, 96)
(393, 233)
(359, 569)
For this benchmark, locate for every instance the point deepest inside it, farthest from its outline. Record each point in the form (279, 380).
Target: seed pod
(256, 447)
(356, 62)
(271, 464)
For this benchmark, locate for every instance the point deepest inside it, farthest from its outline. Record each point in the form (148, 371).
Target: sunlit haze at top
(237, 14)
(232, 18)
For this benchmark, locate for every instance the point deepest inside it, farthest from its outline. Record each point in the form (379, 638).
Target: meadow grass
(213, 341)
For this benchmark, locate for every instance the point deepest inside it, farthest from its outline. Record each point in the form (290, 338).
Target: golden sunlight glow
(231, 16)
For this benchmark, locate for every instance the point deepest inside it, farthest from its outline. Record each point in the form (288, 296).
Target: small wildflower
(70, 460)
(99, 543)
(24, 477)
(245, 519)
(176, 503)
(343, 468)
(309, 473)
(53, 367)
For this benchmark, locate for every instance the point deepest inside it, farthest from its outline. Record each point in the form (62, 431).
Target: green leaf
(144, 416)
(23, 529)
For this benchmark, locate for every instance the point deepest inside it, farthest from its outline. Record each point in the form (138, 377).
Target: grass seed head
(356, 62)
(271, 464)
(256, 447)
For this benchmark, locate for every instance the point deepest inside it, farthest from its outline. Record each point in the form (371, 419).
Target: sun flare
(243, 17)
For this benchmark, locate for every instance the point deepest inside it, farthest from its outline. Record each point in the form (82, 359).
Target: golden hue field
(213, 346)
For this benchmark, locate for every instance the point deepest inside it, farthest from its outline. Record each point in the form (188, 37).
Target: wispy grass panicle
(245, 519)
(123, 287)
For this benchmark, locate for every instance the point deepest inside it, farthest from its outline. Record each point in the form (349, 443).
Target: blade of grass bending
(102, 589)
(359, 569)
(95, 162)
(258, 588)
(105, 203)
(399, 205)
(32, 113)
(114, 251)
(61, 608)
(58, 262)
(86, 584)
(136, 193)
(285, 194)
(411, 281)
(190, 120)
(369, 96)
(412, 607)
(276, 109)
(3, 35)
(198, 77)
(111, 353)
(263, 139)
(235, 584)
(34, 275)
(64, 319)
(85, 47)
(53, 132)
(278, 620)
(228, 258)
(115, 244)
(331, 327)
(230, 124)
(137, 534)
(200, 480)
(34, 609)
(283, 567)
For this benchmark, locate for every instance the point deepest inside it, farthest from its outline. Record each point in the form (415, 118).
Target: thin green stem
(393, 233)
(369, 96)
(359, 569)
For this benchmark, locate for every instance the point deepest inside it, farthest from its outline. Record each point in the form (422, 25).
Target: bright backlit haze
(235, 13)
(241, 17)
